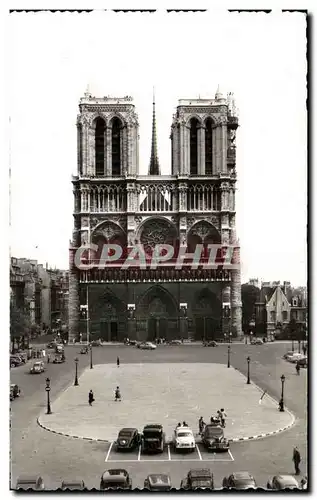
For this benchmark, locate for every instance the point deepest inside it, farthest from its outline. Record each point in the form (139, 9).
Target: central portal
(157, 328)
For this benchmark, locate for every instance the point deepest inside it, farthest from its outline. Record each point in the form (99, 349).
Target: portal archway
(107, 318)
(207, 316)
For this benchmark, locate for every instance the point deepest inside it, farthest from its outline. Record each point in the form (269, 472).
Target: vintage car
(15, 361)
(59, 358)
(175, 342)
(96, 343)
(59, 349)
(297, 356)
(147, 345)
(239, 481)
(183, 439)
(288, 354)
(282, 482)
(153, 438)
(213, 438)
(30, 483)
(128, 439)
(73, 485)
(198, 478)
(256, 342)
(15, 391)
(37, 367)
(210, 343)
(115, 479)
(51, 345)
(303, 362)
(158, 482)
(84, 350)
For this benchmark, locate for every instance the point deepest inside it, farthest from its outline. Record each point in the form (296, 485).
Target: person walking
(48, 357)
(118, 361)
(296, 460)
(117, 394)
(222, 416)
(201, 425)
(304, 350)
(297, 368)
(91, 398)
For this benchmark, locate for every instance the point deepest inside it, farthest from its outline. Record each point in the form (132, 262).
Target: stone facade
(115, 205)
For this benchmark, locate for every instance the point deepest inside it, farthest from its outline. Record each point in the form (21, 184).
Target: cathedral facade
(115, 207)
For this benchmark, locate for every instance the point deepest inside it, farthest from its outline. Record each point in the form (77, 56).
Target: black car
(128, 439)
(73, 486)
(30, 483)
(158, 482)
(283, 482)
(213, 438)
(239, 481)
(153, 438)
(198, 478)
(15, 361)
(115, 479)
(210, 343)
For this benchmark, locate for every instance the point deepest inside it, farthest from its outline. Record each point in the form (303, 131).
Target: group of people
(219, 419)
(117, 395)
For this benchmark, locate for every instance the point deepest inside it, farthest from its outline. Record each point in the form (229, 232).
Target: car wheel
(12, 365)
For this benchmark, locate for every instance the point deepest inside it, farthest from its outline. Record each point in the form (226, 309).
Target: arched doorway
(207, 316)
(108, 318)
(157, 315)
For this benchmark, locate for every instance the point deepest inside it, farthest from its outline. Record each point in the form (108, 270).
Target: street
(36, 451)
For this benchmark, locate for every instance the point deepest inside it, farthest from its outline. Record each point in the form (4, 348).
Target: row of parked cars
(119, 479)
(153, 439)
(296, 358)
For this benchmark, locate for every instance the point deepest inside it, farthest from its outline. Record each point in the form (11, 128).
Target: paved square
(165, 394)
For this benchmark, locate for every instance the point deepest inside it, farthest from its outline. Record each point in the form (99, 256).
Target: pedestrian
(91, 398)
(48, 358)
(304, 350)
(184, 424)
(118, 361)
(297, 368)
(296, 460)
(178, 425)
(201, 425)
(117, 394)
(281, 405)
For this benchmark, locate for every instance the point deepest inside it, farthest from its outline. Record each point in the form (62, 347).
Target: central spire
(154, 168)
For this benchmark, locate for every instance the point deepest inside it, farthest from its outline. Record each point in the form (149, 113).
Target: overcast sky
(260, 57)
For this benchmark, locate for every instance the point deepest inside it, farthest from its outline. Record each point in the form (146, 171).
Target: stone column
(91, 160)
(181, 150)
(236, 304)
(201, 151)
(109, 152)
(73, 298)
(85, 149)
(224, 135)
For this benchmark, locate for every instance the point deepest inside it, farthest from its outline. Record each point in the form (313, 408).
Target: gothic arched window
(208, 147)
(116, 147)
(193, 146)
(80, 148)
(100, 146)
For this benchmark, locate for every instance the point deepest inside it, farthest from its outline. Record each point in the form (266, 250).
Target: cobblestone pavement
(184, 392)
(55, 457)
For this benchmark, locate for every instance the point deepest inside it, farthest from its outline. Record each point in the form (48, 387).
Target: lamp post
(91, 366)
(228, 365)
(282, 393)
(230, 337)
(76, 371)
(292, 344)
(248, 360)
(48, 388)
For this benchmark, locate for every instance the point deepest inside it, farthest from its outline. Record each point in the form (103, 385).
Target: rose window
(156, 233)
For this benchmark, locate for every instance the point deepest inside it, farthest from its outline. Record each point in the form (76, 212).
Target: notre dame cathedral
(194, 204)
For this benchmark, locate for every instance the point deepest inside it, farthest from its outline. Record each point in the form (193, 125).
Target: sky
(259, 57)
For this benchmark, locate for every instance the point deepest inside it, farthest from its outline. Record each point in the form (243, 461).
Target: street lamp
(282, 394)
(91, 367)
(248, 360)
(230, 337)
(48, 388)
(228, 356)
(76, 372)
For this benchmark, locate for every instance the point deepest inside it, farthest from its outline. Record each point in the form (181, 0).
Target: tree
(19, 321)
(250, 294)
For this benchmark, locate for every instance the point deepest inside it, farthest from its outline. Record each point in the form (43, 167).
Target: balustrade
(104, 199)
(156, 198)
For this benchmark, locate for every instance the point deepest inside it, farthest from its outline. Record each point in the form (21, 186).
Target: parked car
(59, 359)
(213, 438)
(128, 439)
(287, 354)
(59, 348)
(239, 481)
(15, 361)
(96, 343)
(198, 478)
(183, 439)
(175, 342)
(282, 482)
(303, 362)
(256, 342)
(210, 343)
(15, 391)
(153, 438)
(51, 345)
(158, 482)
(147, 345)
(38, 367)
(73, 486)
(30, 483)
(83, 350)
(296, 357)
(115, 479)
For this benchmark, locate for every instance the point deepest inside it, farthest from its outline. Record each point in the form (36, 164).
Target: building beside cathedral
(115, 205)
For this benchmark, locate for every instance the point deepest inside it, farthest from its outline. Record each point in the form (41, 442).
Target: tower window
(116, 145)
(208, 147)
(80, 148)
(100, 146)
(193, 146)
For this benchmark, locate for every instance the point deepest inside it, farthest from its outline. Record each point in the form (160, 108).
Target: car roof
(153, 426)
(28, 479)
(159, 478)
(128, 429)
(200, 473)
(115, 472)
(242, 475)
(286, 478)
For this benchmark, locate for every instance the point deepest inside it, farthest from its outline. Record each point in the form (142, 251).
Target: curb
(69, 435)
